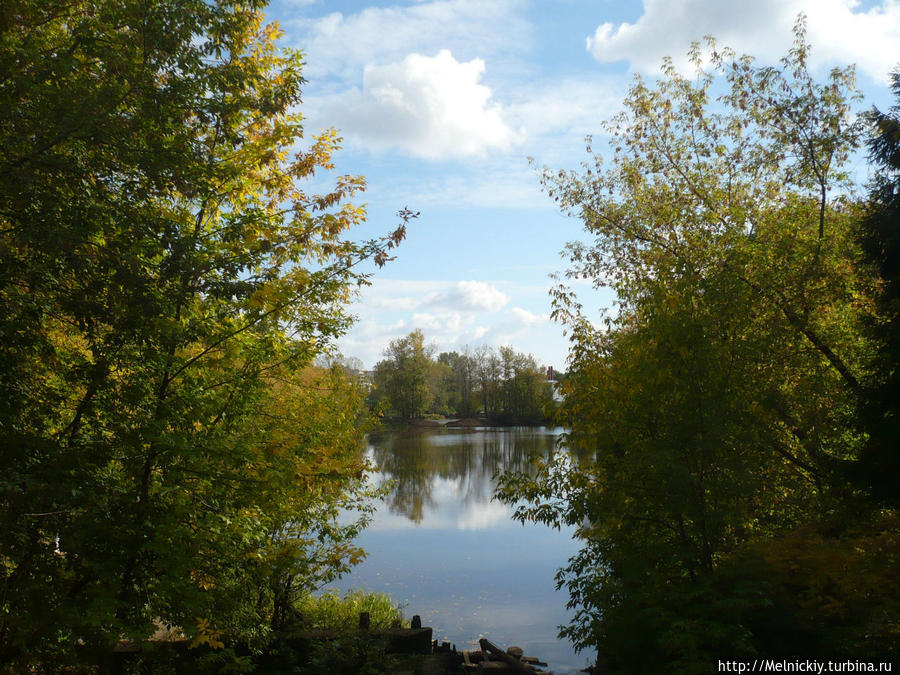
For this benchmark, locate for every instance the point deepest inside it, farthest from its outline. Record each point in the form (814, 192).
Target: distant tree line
(501, 385)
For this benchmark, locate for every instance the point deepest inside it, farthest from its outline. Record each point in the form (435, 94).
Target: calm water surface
(442, 548)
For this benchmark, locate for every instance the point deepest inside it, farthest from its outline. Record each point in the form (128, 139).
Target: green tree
(879, 469)
(487, 376)
(304, 464)
(461, 384)
(718, 402)
(524, 392)
(511, 385)
(450, 381)
(404, 376)
(443, 398)
(161, 268)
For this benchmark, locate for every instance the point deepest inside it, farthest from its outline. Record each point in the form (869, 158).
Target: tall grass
(330, 611)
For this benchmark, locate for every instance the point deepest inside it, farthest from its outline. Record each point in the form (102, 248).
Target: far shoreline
(451, 423)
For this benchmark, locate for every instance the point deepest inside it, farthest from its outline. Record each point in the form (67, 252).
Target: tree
(163, 275)
(511, 385)
(718, 402)
(462, 385)
(404, 376)
(487, 373)
(311, 443)
(524, 392)
(880, 236)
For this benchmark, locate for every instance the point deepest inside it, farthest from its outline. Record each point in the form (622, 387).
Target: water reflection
(447, 474)
(443, 549)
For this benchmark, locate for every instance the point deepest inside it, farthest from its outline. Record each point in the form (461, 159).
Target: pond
(443, 549)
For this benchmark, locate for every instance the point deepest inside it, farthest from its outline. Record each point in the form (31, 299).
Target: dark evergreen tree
(879, 467)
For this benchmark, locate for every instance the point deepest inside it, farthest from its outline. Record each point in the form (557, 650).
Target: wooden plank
(515, 665)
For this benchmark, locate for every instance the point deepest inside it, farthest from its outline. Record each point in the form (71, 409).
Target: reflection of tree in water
(468, 459)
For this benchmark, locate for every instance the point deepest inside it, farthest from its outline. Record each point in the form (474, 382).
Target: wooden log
(495, 652)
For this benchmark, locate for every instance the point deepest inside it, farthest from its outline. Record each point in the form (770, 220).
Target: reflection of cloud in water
(449, 475)
(483, 517)
(440, 546)
(446, 511)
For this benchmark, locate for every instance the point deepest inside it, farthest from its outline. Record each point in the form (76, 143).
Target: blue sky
(442, 102)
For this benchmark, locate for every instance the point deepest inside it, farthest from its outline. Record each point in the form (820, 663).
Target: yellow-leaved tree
(165, 282)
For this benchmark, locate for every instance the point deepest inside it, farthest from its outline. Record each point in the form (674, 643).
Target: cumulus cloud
(523, 318)
(448, 329)
(466, 296)
(474, 296)
(442, 323)
(839, 31)
(339, 44)
(366, 84)
(513, 325)
(451, 313)
(431, 107)
(368, 338)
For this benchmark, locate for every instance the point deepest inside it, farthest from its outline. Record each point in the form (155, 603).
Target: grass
(331, 611)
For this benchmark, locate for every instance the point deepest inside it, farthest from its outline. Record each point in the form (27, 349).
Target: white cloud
(368, 339)
(524, 318)
(365, 78)
(447, 329)
(515, 323)
(482, 185)
(572, 104)
(432, 107)
(451, 313)
(440, 324)
(341, 45)
(466, 296)
(837, 29)
(474, 295)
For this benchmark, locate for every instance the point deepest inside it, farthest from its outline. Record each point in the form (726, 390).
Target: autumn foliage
(714, 413)
(166, 280)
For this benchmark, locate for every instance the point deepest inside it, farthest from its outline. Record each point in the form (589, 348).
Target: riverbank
(394, 651)
(394, 423)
